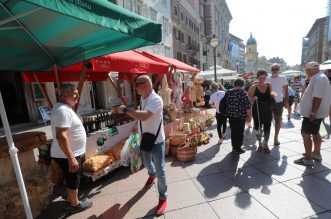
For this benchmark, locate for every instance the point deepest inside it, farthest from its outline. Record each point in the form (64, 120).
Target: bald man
(149, 116)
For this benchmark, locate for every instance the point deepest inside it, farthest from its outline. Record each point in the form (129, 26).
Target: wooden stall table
(38, 188)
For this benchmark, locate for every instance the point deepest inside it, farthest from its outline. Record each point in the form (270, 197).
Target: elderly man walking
(280, 86)
(314, 107)
(149, 116)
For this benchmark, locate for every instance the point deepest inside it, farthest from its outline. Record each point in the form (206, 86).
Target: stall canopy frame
(36, 34)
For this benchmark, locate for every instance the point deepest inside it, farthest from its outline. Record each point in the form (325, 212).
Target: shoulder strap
(158, 131)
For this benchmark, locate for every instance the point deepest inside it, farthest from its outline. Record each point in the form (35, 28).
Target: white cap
(275, 65)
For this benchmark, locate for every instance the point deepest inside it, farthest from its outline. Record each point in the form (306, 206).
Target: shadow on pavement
(212, 189)
(117, 211)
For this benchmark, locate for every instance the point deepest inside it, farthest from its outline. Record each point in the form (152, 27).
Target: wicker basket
(167, 147)
(186, 152)
(177, 140)
(173, 150)
(172, 115)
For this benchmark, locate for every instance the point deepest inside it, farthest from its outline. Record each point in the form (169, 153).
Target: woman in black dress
(260, 93)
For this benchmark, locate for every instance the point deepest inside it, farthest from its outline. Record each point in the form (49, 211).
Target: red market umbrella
(177, 64)
(248, 75)
(128, 61)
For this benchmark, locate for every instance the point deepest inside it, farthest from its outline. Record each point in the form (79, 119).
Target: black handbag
(148, 139)
(222, 105)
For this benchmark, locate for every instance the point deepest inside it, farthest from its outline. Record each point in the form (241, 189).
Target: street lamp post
(214, 43)
(237, 64)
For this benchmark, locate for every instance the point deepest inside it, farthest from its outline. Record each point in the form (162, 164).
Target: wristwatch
(312, 113)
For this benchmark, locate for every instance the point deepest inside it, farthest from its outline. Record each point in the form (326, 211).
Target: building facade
(304, 50)
(186, 26)
(237, 52)
(158, 11)
(217, 19)
(317, 49)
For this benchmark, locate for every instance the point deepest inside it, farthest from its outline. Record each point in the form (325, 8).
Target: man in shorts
(279, 86)
(69, 144)
(314, 107)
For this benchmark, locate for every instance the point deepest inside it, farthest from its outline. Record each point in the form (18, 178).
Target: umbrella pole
(58, 82)
(134, 91)
(81, 84)
(156, 81)
(13, 155)
(116, 89)
(43, 91)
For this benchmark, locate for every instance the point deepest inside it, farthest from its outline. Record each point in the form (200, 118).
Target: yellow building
(251, 56)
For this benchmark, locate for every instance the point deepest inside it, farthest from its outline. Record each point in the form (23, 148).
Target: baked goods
(96, 163)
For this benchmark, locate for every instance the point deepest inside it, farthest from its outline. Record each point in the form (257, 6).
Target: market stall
(67, 32)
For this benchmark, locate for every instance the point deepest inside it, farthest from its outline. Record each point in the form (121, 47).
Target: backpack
(222, 105)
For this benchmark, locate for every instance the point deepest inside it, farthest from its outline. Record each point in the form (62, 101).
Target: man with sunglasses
(279, 85)
(314, 107)
(149, 116)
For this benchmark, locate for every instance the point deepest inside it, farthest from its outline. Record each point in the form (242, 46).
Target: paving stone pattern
(219, 184)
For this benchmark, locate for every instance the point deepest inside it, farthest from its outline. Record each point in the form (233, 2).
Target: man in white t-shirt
(314, 107)
(150, 115)
(279, 86)
(214, 100)
(69, 144)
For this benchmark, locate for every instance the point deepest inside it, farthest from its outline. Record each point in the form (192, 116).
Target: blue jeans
(154, 162)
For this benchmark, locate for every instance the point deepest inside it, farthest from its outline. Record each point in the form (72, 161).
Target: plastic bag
(323, 132)
(135, 157)
(125, 154)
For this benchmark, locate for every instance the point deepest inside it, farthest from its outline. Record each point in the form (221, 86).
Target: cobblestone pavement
(219, 184)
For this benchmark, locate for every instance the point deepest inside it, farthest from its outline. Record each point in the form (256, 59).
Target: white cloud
(277, 25)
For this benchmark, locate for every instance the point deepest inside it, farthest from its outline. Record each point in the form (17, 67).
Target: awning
(177, 64)
(35, 34)
(127, 61)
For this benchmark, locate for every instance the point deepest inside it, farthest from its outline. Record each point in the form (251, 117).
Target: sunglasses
(140, 83)
(274, 69)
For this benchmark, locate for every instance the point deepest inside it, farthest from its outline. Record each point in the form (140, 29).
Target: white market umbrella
(326, 65)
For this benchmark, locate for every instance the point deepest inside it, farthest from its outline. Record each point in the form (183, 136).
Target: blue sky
(277, 25)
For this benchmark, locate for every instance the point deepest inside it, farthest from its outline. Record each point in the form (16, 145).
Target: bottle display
(103, 120)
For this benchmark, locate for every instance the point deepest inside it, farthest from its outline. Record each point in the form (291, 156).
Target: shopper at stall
(279, 86)
(214, 101)
(314, 107)
(260, 94)
(149, 116)
(238, 110)
(69, 144)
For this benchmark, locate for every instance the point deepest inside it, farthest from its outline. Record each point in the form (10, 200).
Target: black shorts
(277, 109)
(309, 127)
(72, 179)
(290, 100)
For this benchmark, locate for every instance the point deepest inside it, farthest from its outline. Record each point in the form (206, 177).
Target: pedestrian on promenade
(296, 87)
(279, 86)
(238, 109)
(69, 144)
(214, 101)
(150, 115)
(314, 107)
(291, 97)
(260, 93)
